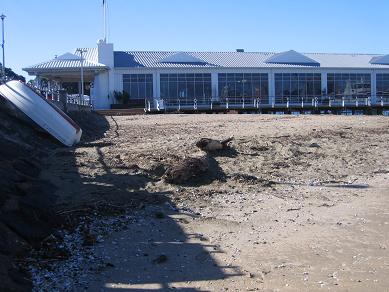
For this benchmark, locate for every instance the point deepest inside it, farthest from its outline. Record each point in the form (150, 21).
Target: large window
(138, 86)
(383, 85)
(297, 85)
(243, 85)
(348, 85)
(187, 85)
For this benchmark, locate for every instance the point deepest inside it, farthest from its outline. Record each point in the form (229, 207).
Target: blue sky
(36, 30)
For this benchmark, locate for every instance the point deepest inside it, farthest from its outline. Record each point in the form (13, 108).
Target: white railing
(250, 103)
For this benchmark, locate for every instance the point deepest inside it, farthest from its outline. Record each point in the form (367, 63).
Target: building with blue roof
(159, 77)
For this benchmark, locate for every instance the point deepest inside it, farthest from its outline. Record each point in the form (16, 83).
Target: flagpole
(105, 19)
(2, 45)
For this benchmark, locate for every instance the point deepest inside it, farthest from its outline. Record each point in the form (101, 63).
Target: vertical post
(82, 51)
(374, 87)
(82, 78)
(272, 89)
(105, 19)
(2, 46)
(215, 86)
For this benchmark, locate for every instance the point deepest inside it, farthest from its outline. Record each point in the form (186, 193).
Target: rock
(314, 145)
(157, 169)
(11, 243)
(13, 278)
(89, 239)
(159, 215)
(210, 145)
(160, 259)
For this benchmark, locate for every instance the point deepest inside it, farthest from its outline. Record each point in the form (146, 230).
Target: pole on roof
(105, 19)
(2, 45)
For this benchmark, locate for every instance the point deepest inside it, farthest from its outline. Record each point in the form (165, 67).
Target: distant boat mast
(105, 7)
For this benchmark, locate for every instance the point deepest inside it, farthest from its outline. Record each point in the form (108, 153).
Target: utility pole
(82, 51)
(2, 46)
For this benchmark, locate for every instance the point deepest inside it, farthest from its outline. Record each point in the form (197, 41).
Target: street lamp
(2, 45)
(82, 51)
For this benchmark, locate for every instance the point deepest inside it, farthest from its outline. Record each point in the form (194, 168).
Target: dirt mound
(93, 125)
(26, 199)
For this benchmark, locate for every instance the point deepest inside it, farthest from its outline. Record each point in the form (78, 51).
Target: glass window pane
(141, 90)
(173, 89)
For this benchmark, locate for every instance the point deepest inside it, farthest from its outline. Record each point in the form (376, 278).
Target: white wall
(105, 82)
(101, 98)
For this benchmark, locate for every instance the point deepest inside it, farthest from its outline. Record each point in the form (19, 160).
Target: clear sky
(37, 30)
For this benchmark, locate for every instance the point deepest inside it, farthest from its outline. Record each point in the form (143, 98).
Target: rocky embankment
(26, 215)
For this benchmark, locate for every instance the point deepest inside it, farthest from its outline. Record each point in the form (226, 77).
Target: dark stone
(160, 259)
(13, 279)
(11, 243)
(26, 167)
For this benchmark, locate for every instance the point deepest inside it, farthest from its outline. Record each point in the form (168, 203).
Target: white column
(215, 85)
(373, 87)
(156, 85)
(324, 83)
(102, 100)
(272, 88)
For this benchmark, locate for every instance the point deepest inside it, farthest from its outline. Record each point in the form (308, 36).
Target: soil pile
(26, 200)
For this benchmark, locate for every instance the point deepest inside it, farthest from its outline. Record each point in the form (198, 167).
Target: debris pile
(186, 169)
(190, 167)
(76, 259)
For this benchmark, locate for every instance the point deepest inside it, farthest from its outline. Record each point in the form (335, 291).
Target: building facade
(168, 78)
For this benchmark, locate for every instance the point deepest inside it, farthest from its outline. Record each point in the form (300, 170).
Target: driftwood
(186, 169)
(211, 145)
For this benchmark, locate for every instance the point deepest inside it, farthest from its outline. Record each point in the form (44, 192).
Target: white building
(203, 77)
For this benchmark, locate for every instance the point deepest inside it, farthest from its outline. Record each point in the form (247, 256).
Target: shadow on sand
(214, 172)
(151, 254)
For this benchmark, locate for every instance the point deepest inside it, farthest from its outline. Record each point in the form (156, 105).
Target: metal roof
(152, 59)
(292, 58)
(68, 56)
(69, 61)
(383, 60)
(182, 57)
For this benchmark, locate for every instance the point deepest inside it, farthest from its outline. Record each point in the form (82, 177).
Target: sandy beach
(298, 203)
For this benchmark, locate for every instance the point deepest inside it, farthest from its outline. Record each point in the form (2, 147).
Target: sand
(298, 204)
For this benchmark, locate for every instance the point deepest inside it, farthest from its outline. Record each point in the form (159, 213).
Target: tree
(11, 75)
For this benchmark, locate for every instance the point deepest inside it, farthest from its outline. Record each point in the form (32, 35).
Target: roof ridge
(328, 53)
(248, 52)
